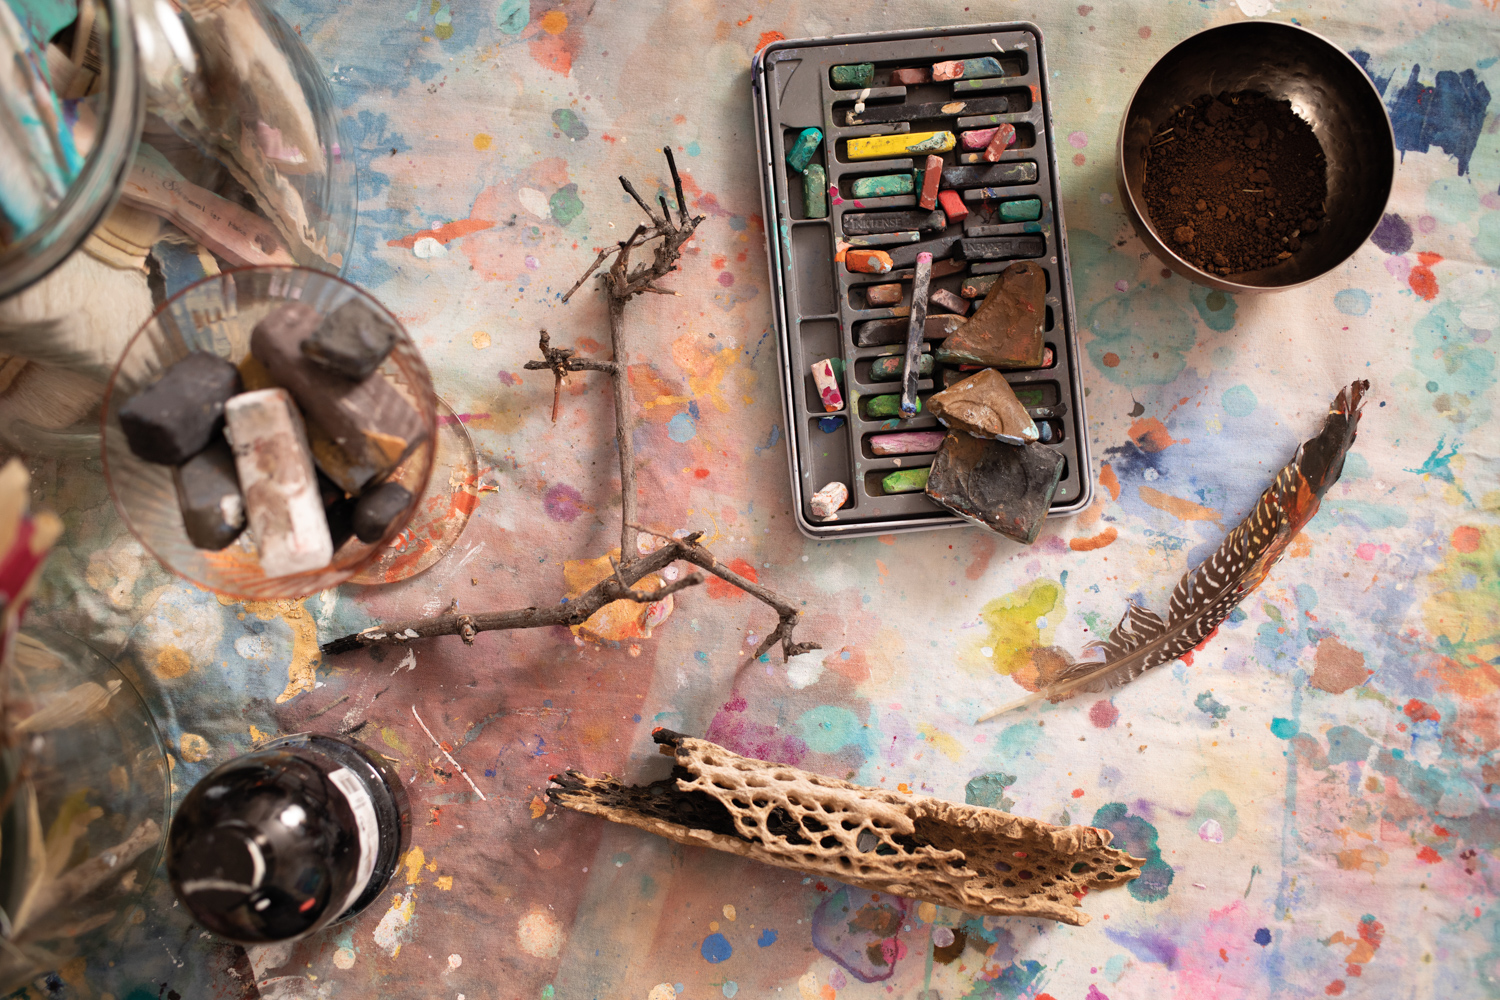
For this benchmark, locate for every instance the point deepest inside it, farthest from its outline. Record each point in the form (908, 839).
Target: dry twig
(622, 282)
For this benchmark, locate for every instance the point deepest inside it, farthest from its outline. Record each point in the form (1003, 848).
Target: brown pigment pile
(1235, 183)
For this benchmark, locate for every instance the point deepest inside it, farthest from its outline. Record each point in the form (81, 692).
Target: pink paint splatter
(1399, 267)
(1078, 140)
(726, 279)
(509, 378)
(1094, 993)
(563, 502)
(833, 194)
(1103, 714)
(1122, 285)
(1490, 200)
(1367, 550)
(1426, 223)
(532, 263)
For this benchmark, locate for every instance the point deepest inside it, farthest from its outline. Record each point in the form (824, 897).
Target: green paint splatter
(565, 204)
(1137, 837)
(829, 727)
(1437, 467)
(1284, 729)
(1016, 740)
(1215, 805)
(1444, 352)
(1215, 308)
(1140, 341)
(512, 16)
(1209, 705)
(568, 122)
(988, 790)
(1452, 200)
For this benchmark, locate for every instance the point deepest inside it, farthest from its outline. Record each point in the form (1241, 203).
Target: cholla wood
(983, 861)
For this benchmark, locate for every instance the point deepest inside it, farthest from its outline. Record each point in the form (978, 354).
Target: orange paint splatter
(1099, 541)
(1110, 359)
(1419, 711)
(723, 590)
(1421, 279)
(767, 37)
(554, 22)
(1183, 510)
(445, 233)
(1466, 538)
(1428, 855)
(1078, 793)
(1150, 434)
(701, 473)
(1109, 481)
(538, 807)
(747, 20)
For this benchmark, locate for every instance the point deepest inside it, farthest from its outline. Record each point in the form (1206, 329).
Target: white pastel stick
(278, 482)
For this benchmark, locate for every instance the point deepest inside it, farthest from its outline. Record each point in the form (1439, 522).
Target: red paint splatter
(1103, 714)
(1419, 711)
(1466, 538)
(701, 473)
(1334, 988)
(767, 37)
(1223, 954)
(1078, 793)
(735, 704)
(1421, 279)
(1441, 831)
(1428, 855)
(723, 590)
(820, 887)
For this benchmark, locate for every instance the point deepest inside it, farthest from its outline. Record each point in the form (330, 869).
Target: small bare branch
(621, 283)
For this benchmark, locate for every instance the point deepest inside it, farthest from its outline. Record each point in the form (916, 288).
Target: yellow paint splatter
(705, 369)
(1013, 628)
(482, 140)
(413, 862)
(393, 739)
(949, 746)
(807, 986)
(1183, 510)
(194, 748)
(554, 22)
(538, 807)
(926, 912)
(617, 621)
(301, 672)
(171, 663)
(256, 735)
(729, 913)
(445, 882)
(481, 340)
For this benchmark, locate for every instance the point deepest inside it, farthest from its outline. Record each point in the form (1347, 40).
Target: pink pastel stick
(978, 138)
(906, 442)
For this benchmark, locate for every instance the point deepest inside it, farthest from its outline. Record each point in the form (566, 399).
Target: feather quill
(1205, 596)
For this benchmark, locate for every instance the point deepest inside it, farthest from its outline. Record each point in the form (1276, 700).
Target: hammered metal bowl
(1324, 86)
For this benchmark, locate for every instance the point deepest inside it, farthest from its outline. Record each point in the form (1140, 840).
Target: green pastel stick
(906, 481)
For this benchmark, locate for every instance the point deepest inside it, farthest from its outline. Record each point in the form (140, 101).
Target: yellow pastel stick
(879, 146)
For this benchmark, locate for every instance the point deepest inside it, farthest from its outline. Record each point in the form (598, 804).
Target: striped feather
(1206, 596)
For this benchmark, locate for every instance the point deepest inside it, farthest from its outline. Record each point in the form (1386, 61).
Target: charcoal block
(208, 491)
(1003, 487)
(377, 508)
(878, 332)
(372, 424)
(352, 341)
(338, 507)
(175, 417)
(869, 223)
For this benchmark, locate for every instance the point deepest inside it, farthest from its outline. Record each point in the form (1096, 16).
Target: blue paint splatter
(1262, 936)
(1209, 705)
(1238, 401)
(512, 16)
(1393, 234)
(1352, 302)
(682, 428)
(771, 439)
(1448, 115)
(767, 938)
(1363, 58)
(716, 949)
(730, 988)
(1148, 947)
(1138, 837)
(1346, 743)
(1437, 466)
(1283, 729)
(693, 149)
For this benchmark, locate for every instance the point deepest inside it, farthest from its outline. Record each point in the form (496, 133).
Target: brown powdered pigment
(1235, 183)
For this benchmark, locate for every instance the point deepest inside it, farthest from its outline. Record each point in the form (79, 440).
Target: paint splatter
(1012, 620)
(1238, 401)
(1148, 946)
(1393, 234)
(1262, 936)
(1352, 301)
(1215, 308)
(562, 503)
(565, 204)
(988, 790)
(1137, 837)
(767, 938)
(539, 934)
(1338, 668)
(716, 949)
(1421, 279)
(682, 428)
(766, 38)
(1448, 114)
(1210, 706)
(857, 929)
(1283, 729)
(1103, 714)
(568, 122)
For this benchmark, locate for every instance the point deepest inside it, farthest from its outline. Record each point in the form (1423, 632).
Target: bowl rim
(1138, 215)
(104, 418)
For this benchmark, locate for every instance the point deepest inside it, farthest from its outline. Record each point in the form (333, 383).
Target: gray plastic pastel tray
(819, 303)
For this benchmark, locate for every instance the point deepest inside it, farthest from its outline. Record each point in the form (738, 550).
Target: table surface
(1313, 791)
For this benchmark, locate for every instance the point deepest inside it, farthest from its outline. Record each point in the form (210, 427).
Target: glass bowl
(218, 314)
